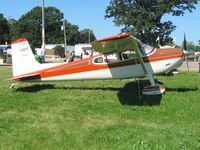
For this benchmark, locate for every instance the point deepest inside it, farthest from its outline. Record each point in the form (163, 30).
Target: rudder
(23, 60)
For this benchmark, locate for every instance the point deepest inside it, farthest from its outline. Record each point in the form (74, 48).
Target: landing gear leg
(151, 79)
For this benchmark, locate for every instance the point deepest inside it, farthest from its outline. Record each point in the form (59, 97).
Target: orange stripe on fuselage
(87, 64)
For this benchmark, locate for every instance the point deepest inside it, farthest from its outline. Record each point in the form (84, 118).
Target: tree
(4, 30)
(84, 36)
(189, 45)
(59, 50)
(143, 18)
(29, 26)
(72, 33)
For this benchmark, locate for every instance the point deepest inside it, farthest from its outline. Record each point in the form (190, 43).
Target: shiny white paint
(131, 71)
(22, 54)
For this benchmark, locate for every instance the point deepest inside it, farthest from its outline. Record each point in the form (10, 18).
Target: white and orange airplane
(122, 56)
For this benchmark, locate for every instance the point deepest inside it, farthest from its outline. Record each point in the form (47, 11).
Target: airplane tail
(23, 60)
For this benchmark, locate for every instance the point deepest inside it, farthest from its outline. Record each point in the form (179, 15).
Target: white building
(69, 48)
(5, 54)
(79, 50)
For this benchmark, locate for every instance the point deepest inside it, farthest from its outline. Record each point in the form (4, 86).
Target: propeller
(185, 51)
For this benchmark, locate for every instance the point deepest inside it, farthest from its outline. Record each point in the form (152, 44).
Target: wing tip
(123, 35)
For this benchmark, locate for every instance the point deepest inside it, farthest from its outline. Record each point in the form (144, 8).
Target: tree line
(29, 26)
(140, 18)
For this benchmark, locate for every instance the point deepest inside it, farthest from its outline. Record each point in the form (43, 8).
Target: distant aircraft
(122, 56)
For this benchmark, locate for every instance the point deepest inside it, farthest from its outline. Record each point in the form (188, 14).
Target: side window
(112, 58)
(98, 60)
(128, 55)
(146, 49)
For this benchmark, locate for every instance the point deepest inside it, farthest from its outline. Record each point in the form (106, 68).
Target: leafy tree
(84, 36)
(59, 50)
(143, 18)
(29, 26)
(198, 48)
(190, 45)
(4, 30)
(72, 33)
(11, 21)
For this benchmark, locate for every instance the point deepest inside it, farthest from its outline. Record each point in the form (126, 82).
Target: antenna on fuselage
(158, 40)
(174, 42)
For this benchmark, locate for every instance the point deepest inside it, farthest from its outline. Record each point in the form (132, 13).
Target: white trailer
(78, 48)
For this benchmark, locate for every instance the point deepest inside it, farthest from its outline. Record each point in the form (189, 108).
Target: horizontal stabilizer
(27, 77)
(118, 43)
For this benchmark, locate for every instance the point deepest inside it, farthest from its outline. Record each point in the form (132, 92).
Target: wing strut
(154, 88)
(139, 54)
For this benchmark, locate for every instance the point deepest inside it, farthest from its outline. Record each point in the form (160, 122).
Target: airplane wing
(118, 43)
(126, 42)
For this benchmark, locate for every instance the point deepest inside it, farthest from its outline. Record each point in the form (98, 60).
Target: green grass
(99, 115)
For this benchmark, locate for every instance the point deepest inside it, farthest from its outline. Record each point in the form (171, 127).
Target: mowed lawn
(99, 115)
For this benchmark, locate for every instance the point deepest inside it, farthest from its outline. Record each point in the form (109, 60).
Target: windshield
(146, 49)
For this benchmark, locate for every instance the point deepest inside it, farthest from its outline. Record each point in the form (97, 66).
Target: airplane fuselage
(108, 66)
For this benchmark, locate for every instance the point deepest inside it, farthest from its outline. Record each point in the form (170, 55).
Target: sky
(90, 14)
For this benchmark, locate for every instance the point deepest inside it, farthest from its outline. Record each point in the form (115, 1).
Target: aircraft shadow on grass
(181, 89)
(40, 87)
(128, 95)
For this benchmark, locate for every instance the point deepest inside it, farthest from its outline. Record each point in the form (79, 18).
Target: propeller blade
(185, 51)
(184, 42)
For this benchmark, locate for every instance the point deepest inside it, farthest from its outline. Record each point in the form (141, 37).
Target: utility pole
(43, 28)
(65, 38)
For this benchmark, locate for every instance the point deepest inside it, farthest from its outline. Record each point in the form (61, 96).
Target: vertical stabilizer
(22, 58)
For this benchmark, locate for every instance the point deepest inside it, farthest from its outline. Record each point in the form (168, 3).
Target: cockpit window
(98, 60)
(111, 58)
(128, 55)
(115, 57)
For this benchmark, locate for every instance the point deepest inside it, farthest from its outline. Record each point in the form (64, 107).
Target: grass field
(99, 115)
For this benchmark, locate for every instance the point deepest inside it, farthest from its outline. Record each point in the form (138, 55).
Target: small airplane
(121, 56)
